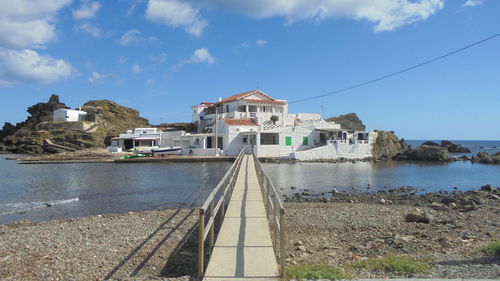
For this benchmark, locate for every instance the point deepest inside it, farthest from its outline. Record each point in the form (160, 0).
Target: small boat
(167, 150)
(132, 156)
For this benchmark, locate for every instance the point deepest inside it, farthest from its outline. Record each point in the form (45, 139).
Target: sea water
(53, 191)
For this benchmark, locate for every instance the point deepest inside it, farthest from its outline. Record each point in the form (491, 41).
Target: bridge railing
(214, 205)
(275, 214)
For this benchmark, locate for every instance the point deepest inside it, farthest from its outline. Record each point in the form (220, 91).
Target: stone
(465, 202)
(468, 235)
(301, 248)
(448, 200)
(298, 243)
(476, 199)
(470, 208)
(487, 187)
(382, 201)
(417, 218)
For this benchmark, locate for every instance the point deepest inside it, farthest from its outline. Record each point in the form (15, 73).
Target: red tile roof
(242, 95)
(265, 101)
(240, 122)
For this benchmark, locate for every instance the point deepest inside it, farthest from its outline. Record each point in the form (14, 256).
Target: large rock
(348, 121)
(431, 143)
(426, 153)
(485, 158)
(454, 148)
(387, 145)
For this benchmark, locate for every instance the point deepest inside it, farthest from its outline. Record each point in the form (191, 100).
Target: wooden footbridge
(246, 208)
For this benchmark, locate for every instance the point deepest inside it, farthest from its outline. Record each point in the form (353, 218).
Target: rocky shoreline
(336, 229)
(445, 228)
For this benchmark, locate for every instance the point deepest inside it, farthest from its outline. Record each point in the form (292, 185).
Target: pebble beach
(161, 244)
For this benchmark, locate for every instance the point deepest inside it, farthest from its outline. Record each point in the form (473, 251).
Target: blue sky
(163, 56)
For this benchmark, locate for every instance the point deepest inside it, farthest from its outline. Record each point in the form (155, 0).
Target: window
(269, 139)
(245, 140)
(305, 140)
(288, 141)
(227, 107)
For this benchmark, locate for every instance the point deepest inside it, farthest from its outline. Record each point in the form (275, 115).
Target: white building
(69, 115)
(257, 119)
(144, 138)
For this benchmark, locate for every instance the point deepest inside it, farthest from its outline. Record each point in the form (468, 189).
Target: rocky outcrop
(431, 143)
(387, 146)
(454, 148)
(426, 153)
(31, 135)
(348, 121)
(485, 158)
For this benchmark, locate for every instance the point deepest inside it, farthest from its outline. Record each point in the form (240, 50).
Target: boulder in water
(454, 148)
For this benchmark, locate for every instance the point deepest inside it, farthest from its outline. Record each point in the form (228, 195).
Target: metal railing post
(211, 240)
(282, 242)
(201, 244)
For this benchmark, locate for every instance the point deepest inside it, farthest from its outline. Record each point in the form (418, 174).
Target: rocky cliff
(348, 121)
(387, 145)
(31, 135)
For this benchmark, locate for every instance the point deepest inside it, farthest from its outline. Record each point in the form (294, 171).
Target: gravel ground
(130, 246)
(161, 245)
(349, 228)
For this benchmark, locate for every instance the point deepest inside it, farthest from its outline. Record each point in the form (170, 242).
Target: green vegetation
(493, 248)
(399, 264)
(316, 271)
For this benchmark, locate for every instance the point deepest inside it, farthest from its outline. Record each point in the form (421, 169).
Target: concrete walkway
(244, 250)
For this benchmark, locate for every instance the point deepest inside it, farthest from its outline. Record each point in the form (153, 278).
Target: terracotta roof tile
(242, 95)
(240, 122)
(265, 101)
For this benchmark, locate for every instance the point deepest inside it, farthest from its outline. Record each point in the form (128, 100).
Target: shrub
(399, 264)
(493, 248)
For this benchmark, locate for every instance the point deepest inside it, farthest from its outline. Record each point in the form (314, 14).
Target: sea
(40, 192)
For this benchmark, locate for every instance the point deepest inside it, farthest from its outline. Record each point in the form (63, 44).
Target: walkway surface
(243, 249)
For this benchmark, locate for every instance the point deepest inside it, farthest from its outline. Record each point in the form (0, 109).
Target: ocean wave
(21, 207)
(489, 147)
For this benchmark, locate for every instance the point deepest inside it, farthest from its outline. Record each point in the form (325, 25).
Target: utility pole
(216, 130)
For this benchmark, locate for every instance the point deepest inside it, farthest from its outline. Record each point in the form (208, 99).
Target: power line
(398, 72)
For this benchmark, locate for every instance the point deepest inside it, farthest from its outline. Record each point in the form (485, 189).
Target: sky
(163, 56)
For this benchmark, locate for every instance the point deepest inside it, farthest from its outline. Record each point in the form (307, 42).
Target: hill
(38, 131)
(348, 121)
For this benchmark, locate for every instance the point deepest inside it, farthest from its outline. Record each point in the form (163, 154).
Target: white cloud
(473, 3)
(29, 66)
(178, 14)
(24, 24)
(201, 56)
(87, 10)
(150, 82)
(133, 37)
(96, 77)
(158, 59)
(136, 68)
(89, 29)
(385, 14)
(260, 43)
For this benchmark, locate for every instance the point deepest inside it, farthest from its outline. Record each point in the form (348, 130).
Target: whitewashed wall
(335, 151)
